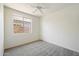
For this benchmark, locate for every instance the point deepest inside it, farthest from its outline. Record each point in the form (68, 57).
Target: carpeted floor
(39, 48)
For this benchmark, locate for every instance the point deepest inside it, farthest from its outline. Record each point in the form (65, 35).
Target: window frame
(30, 28)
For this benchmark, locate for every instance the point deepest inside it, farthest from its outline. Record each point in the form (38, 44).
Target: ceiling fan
(38, 7)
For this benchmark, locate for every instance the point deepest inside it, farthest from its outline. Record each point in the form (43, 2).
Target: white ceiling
(30, 7)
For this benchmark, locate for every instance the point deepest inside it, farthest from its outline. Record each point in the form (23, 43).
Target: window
(21, 24)
(27, 25)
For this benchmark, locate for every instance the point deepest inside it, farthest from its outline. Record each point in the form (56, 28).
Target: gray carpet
(39, 48)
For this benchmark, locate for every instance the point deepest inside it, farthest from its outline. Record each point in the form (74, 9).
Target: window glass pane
(18, 17)
(27, 26)
(18, 24)
(28, 20)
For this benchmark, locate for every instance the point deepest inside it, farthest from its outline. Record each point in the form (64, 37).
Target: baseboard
(22, 44)
(61, 46)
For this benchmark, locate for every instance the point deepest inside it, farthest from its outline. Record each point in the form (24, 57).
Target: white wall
(12, 39)
(1, 30)
(62, 27)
